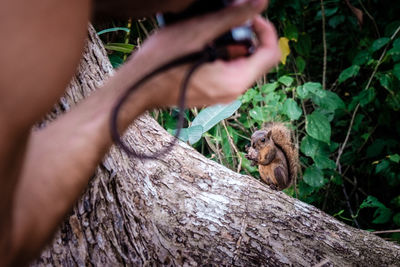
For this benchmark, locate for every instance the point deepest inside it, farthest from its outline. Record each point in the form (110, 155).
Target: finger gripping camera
(237, 42)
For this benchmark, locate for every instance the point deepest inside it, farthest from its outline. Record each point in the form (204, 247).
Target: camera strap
(209, 54)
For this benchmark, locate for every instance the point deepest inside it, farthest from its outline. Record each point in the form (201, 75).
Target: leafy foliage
(347, 133)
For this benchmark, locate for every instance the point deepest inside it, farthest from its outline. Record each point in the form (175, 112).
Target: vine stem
(324, 44)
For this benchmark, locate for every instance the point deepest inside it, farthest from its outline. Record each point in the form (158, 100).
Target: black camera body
(237, 42)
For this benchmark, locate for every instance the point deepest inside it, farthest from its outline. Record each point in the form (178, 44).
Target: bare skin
(39, 179)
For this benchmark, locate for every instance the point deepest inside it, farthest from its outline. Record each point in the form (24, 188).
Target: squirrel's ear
(269, 134)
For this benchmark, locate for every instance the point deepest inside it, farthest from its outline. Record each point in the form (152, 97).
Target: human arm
(84, 131)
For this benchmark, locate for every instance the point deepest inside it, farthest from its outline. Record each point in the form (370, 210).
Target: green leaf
(210, 116)
(313, 87)
(331, 101)
(386, 81)
(257, 113)
(300, 64)
(395, 158)
(314, 177)
(382, 215)
(323, 162)
(192, 134)
(291, 109)
(309, 146)
(396, 202)
(248, 96)
(120, 47)
(371, 202)
(291, 32)
(318, 127)
(269, 87)
(361, 58)
(336, 21)
(395, 51)
(396, 43)
(113, 30)
(396, 219)
(378, 44)
(116, 60)
(348, 73)
(382, 166)
(396, 71)
(366, 96)
(302, 92)
(303, 45)
(286, 80)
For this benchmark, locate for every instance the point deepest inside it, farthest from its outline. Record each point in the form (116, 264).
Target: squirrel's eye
(263, 140)
(254, 145)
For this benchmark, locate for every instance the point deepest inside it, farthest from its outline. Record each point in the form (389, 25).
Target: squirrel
(275, 154)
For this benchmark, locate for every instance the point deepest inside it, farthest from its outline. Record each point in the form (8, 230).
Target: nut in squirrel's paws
(273, 151)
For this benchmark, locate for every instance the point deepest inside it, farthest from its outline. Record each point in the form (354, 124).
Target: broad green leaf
(303, 45)
(257, 113)
(371, 202)
(291, 32)
(396, 71)
(396, 43)
(323, 162)
(300, 64)
(378, 44)
(313, 87)
(192, 134)
(248, 96)
(113, 30)
(395, 51)
(269, 87)
(314, 177)
(291, 109)
(318, 127)
(361, 58)
(336, 21)
(382, 215)
(328, 12)
(331, 101)
(116, 60)
(120, 47)
(396, 219)
(309, 146)
(286, 80)
(382, 166)
(348, 73)
(396, 201)
(366, 96)
(386, 81)
(395, 158)
(195, 133)
(302, 92)
(210, 116)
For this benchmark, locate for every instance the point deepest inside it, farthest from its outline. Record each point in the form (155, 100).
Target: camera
(237, 42)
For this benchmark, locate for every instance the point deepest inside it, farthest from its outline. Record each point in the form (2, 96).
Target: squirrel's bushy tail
(282, 137)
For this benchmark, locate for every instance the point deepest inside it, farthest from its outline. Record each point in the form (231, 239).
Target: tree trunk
(184, 209)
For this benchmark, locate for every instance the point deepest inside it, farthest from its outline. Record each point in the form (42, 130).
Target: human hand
(221, 81)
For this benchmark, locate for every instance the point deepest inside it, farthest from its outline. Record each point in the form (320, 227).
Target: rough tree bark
(184, 209)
